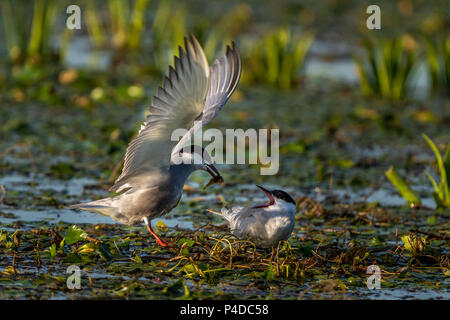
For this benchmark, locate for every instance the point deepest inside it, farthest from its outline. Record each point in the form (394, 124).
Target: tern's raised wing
(178, 103)
(224, 77)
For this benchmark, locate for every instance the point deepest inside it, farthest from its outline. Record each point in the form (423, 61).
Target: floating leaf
(189, 242)
(269, 274)
(414, 243)
(431, 220)
(74, 234)
(52, 250)
(160, 225)
(174, 288)
(88, 248)
(104, 252)
(73, 257)
(137, 259)
(9, 270)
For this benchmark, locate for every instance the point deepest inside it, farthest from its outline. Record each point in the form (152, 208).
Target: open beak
(216, 177)
(271, 198)
(212, 170)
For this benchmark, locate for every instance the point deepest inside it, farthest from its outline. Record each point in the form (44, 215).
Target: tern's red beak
(216, 177)
(271, 198)
(212, 170)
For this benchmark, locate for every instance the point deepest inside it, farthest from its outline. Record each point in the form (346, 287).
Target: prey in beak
(216, 177)
(269, 195)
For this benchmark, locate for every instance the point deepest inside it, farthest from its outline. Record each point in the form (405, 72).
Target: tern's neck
(180, 172)
(282, 206)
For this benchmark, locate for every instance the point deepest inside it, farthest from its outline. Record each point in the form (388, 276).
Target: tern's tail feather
(102, 206)
(228, 214)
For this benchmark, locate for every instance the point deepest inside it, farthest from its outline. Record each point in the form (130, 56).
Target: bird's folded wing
(178, 103)
(224, 77)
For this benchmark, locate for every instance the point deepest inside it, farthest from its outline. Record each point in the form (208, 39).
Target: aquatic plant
(438, 58)
(228, 27)
(167, 33)
(169, 27)
(28, 44)
(126, 25)
(386, 68)
(414, 243)
(441, 193)
(278, 57)
(402, 187)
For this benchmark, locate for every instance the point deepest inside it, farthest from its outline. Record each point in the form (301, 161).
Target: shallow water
(75, 188)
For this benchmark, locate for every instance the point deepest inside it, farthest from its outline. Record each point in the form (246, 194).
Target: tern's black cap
(280, 194)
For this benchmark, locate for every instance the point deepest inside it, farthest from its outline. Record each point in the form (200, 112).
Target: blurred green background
(364, 119)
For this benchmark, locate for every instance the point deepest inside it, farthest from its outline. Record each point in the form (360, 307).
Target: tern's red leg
(159, 241)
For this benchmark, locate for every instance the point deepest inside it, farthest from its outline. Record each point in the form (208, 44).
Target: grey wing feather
(179, 102)
(224, 78)
(249, 224)
(225, 75)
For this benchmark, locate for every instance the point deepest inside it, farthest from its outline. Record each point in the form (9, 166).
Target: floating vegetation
(414, 243)
(387, 66)
(206, 263)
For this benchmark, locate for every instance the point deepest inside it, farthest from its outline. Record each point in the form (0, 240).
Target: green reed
(278, 57)
(386, 68)
(438, 58)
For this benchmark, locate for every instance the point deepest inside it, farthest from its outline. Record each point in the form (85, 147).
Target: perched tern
(266, 225)
(151, 182)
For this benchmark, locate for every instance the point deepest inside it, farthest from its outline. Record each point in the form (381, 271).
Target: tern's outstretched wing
(224, 77)
(178, 103)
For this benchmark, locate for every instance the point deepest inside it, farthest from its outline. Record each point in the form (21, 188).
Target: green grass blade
(35, 40)
(64, 44)
(433, 64)
(447, 174)
(433, 182)
(93, 25)
(447, 163)
(272, 59)
(12, 38)
(402, 186)
(137, 23)
(443, 186)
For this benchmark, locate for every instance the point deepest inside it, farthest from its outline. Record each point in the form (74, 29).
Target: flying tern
(151, 182)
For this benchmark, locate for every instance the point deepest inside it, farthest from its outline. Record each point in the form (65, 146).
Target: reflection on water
(402, 294)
